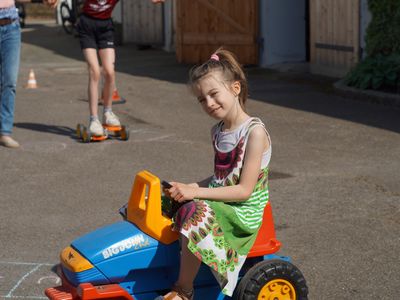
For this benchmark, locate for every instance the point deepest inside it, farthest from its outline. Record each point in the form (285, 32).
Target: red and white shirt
(99, 9)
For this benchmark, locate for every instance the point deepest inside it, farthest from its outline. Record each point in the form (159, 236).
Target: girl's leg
(189, 267)
(94, 78)
(107, 57)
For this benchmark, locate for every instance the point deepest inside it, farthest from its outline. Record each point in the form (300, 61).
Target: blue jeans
(10, 45)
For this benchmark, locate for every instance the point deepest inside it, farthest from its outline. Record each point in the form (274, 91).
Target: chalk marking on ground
(22, 279)
(53, 278)
(37, 266)
(159, 138)
(26, 297)
(25, 263)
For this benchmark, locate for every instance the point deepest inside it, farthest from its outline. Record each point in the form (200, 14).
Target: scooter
(84, 134)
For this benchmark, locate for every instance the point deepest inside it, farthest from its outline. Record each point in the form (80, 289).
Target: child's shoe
(8, 141)
(96, 128)
(110, 119)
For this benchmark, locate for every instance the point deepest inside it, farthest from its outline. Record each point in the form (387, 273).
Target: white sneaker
(96, 128)
(110, 119)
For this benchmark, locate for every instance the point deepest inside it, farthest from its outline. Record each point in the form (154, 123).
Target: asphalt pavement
(335, 165)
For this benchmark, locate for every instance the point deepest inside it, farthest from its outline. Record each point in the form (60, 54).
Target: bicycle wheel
(66, 18)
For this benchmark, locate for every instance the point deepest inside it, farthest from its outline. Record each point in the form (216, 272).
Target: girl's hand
(51, 3)
(181, 192)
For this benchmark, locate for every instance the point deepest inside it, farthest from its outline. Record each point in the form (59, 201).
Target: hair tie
(214, 57)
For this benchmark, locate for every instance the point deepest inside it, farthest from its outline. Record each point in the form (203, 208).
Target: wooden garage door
(334, 35)
(205, 25)
(142, 22)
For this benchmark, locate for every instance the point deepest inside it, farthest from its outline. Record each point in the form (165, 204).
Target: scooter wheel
(79, 130)
(86, 136)
(124, 134)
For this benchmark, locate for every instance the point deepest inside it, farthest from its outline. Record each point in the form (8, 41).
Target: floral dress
(220, 233)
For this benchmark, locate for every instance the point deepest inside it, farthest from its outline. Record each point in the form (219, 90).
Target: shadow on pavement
(296, 91)
(59, 130)
(309, 93)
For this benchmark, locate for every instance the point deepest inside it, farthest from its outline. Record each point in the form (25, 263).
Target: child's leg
(94, 78)
(107, 57)
(189, 267)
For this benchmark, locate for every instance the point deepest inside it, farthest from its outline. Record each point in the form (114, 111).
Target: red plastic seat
(266, 242)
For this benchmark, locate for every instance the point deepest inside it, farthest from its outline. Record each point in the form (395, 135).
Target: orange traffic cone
(116, 98)
(32, 84)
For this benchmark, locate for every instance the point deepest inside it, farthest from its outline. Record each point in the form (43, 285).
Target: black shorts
(95, 33)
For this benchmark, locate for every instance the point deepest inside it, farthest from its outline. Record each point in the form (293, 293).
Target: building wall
(142, 22)
(365, 20)
(283, 31)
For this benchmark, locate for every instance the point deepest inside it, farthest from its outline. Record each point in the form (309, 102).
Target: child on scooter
(222, 214)
(96, 36)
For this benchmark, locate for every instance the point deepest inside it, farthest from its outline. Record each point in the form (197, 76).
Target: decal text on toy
(136, 241)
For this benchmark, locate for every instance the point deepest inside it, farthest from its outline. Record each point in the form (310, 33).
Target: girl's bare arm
(257, 144)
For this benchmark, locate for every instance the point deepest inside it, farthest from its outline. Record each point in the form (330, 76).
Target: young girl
(96, 34)
(220, 225)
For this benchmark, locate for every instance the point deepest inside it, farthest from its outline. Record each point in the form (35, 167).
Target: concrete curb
(386, 99)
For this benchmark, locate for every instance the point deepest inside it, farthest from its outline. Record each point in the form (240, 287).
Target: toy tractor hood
(113, 241)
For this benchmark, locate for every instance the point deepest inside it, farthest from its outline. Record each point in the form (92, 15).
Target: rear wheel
(66, 18)
(272, 279)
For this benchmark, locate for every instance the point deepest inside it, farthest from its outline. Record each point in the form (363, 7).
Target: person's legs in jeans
(10, 44)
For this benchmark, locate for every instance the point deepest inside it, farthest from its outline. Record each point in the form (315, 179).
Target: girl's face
(218, 98)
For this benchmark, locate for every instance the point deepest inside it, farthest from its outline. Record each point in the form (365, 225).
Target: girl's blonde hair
(226, 62)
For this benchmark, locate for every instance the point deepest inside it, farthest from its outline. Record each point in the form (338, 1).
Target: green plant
(383, 33)
(376, 72)
(381, 68)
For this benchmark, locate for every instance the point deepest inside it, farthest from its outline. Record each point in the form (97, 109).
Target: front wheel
(124, 134)
(272, 279)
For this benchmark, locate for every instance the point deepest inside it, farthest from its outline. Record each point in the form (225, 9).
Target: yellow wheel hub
(277, 289)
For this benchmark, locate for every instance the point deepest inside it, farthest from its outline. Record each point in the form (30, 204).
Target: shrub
(381, 68)
(376, 72)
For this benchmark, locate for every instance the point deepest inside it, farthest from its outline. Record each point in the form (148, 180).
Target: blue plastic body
(121, 253)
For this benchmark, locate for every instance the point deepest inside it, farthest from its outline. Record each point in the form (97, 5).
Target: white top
(225, 141)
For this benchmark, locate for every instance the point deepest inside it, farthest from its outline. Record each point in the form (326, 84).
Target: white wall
(283, 29)
(364, 22)
(169, 25)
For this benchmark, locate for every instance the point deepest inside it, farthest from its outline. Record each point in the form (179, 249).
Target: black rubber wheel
(124, 134)
(66, 18)
(86, 136)
(79, 130)
(262, 280)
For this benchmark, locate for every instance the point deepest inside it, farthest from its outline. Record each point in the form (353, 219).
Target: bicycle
(21, 13)
(69, 12)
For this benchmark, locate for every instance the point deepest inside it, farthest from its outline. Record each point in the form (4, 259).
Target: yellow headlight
(75, 262)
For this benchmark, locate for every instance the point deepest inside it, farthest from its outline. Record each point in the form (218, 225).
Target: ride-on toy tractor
(138, 258)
